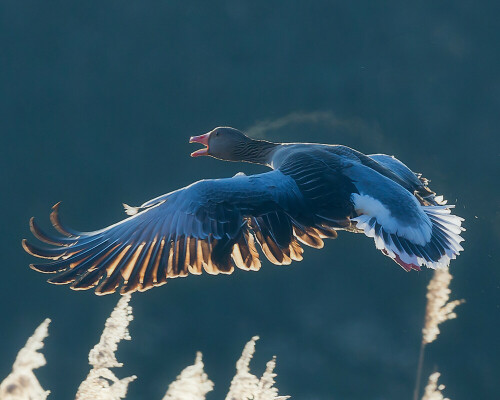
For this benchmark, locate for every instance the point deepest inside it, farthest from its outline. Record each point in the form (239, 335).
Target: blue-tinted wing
(210, 225)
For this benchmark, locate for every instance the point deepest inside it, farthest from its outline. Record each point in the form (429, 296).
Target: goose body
(214, 225)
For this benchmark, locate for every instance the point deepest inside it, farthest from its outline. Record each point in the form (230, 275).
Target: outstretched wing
(210, 225)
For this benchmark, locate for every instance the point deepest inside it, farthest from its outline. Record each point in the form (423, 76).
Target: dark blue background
(98, 100)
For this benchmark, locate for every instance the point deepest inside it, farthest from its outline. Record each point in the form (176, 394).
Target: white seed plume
(21, 383)
(101, 383)
(246, 386)
(438, 308)
(191, 384)
(433, 390)
(266, 389)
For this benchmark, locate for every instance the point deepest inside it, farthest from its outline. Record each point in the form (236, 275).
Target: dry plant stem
(101, 383)
(244, 383)
(419, 370)
(438, 310)
(266, 389)
(22, 383)
(191, 384)
(246, 386)
(433, 390)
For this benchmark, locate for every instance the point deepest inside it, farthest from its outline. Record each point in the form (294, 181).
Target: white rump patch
(371, 207)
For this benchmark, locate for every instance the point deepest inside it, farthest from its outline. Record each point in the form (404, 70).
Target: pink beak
(203, 139)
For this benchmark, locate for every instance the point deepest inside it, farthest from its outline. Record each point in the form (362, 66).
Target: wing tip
(56, 222)
(42, 268)
(31, 249)
(24, 243)
(47, 238)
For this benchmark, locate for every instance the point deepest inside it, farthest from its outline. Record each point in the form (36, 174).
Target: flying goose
(213, 225)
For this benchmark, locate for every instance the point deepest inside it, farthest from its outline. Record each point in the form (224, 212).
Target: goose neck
(258, 151)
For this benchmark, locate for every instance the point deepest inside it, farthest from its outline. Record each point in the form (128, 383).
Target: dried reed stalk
(191, 384)
(433, 390)
(22, 383)
(438, 310)
(246, 386)
(101, 383)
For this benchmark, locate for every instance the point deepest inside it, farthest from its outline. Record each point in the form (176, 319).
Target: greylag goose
(213, 225)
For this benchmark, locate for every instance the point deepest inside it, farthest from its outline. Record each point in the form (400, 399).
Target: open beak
(203, 139)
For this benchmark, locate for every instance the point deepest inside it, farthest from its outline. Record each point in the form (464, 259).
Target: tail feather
(443, 246)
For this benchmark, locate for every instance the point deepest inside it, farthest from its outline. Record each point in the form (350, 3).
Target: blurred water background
(97, 102)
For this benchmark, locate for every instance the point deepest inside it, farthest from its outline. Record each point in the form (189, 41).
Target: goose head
(224, 143)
